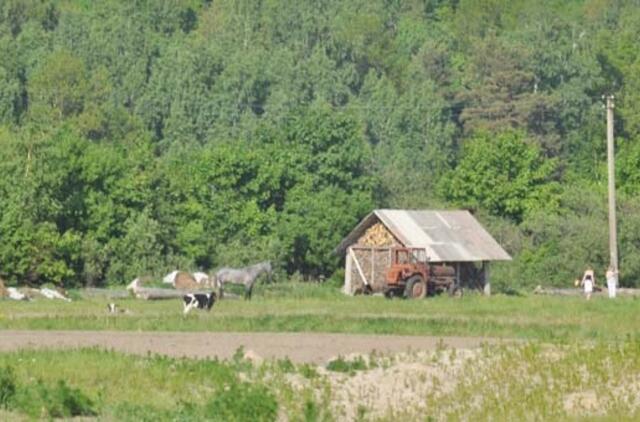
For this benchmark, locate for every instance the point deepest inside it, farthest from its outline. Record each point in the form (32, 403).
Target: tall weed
(7, 386)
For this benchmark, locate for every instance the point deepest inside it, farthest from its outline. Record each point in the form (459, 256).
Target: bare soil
(317, 348)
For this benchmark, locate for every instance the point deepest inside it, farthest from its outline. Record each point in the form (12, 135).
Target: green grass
(291, 307)
(532, 381)
(121, 387)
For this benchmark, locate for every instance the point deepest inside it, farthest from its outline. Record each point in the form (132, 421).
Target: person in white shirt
(588, 281)
(612, 281)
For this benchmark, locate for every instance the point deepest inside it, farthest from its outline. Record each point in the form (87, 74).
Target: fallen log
(553, 291)
(623, 291)
(597, 291)
(95, 292)
(155, 293)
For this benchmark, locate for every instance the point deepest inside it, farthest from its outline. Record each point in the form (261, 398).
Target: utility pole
(613, 243)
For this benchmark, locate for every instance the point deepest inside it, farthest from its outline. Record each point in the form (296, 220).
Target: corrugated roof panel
(450, 252)
(448, 236)
(409, 229)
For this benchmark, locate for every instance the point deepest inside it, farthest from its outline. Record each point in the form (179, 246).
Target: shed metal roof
(448, 236)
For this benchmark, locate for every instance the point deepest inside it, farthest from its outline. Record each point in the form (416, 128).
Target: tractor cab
(408, 273)
(411, 275)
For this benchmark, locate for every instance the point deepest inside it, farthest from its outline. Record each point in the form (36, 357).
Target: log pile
(374, 264)
(377, 235)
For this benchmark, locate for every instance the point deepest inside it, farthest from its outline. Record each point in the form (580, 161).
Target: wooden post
(373, 266)
(348, 287)
(487, 281)
(613, 242)
(457, 274)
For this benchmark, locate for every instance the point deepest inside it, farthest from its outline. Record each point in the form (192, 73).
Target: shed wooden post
(373, 267)
(487, 281)
(348, 288)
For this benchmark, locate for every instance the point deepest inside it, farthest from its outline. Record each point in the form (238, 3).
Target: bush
(243, 402)
(57, 401)
(7, 386)
(350, 366)
(64, 401)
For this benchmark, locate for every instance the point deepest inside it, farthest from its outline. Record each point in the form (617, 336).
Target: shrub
(350, 366)
(311, 411)
(64, 401)
(243, 402)
(7, 386)
(57, 401)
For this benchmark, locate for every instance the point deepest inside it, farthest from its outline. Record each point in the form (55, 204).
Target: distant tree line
(139, 137)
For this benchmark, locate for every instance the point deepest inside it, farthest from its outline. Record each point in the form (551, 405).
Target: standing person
(588, 280)
(612, 281)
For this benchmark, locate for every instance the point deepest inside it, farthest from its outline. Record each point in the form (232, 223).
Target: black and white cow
(198, 300)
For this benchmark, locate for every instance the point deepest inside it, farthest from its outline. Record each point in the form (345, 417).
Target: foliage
(503, 175)
(340, 364)
(61, 400)
(7, 386)
(41, 400)
(140, 137)
(243, 402)
(146, 388)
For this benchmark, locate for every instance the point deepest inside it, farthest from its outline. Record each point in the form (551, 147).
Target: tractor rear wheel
(416, 288)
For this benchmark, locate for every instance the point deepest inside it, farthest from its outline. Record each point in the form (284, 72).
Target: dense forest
(141, 136)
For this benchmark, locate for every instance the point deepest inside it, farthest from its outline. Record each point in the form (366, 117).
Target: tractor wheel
(455, 290)
(416, 288)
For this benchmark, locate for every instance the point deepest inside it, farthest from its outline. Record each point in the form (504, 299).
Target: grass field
(519, 382)
(290, 307)
(583, 361)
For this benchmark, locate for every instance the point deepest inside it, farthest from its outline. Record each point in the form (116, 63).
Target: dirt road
(299, 347)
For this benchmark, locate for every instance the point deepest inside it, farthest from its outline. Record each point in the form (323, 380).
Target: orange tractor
(412, 276)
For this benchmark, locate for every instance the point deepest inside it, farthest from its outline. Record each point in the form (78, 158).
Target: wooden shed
(452, 238)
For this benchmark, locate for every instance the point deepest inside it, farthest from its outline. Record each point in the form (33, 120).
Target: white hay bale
(170, 278)
(15, 294)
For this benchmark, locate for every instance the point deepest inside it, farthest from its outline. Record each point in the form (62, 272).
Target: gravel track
(315, 348)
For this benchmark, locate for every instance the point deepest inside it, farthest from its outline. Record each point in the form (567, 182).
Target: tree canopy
(139, 137)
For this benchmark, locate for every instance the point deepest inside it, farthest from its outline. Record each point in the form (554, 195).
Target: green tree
(504, 175)
(58, 88)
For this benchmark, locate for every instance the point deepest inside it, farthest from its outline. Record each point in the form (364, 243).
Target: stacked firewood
(377, 235)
